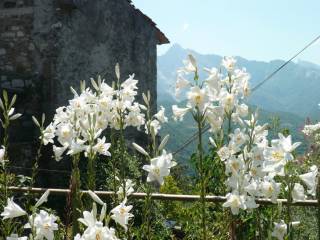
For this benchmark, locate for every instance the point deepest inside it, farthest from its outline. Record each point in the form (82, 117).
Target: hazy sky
(254, 29)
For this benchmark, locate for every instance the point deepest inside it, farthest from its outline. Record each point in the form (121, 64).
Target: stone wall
(47, 46)
(17, 73)
(90, 39)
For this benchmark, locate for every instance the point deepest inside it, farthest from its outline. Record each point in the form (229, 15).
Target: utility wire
(284, 64)
(207, 127)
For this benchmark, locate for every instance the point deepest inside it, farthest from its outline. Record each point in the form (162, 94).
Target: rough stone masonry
(48, 45)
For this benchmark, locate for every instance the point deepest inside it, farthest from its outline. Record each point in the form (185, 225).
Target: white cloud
(185, 27)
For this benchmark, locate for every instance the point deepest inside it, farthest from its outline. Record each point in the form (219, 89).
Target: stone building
(48, 45)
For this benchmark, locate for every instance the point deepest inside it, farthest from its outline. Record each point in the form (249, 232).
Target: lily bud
(95, 197)
(94, 84)
(35, 121)
(140, 149)
(117, 70)
(16, 116)
(164, 142)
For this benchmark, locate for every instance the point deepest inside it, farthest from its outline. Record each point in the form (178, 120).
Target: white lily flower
(238, 138)
(48, 134)
(280, 230)
(44, 225)
(276, 158)
(16, 237)
(180, 84)
(190, 65)
(155, 127)
(78, 237)
(235, 165)
(102, 147)
(130, 83)
(178, 113)
(252, 188)
(98, 232)
(250, 202)
(286, 143)
(198, 97)
(227, 100)
(224, 153)
(235, 202)
(242, 110)
(160, 115)
(121, 215)
(298, 193)
(214, 116)
(12, 210)
(65, 134)
(94, 228)
(159, 167)
(76, 146)
(58, 152)
(310, 179)
(89, 218)
(229, 63)
(213, 81)
(270, 189)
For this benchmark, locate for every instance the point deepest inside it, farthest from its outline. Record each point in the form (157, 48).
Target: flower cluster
(252, 166)
(97, 228)
(159, 167)
(218, 96)
(161, 161)
(42, 224)
(312, 131)
(79, 125)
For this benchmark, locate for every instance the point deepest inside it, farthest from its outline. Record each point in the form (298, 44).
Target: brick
(17, 83)
(2, 51)
(8, 34)
(15, 28)
(20, 34)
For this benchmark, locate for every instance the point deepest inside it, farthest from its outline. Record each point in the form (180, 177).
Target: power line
(284, 64)
(207, 127)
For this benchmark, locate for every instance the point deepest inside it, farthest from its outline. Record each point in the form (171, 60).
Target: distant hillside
(294, 89)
